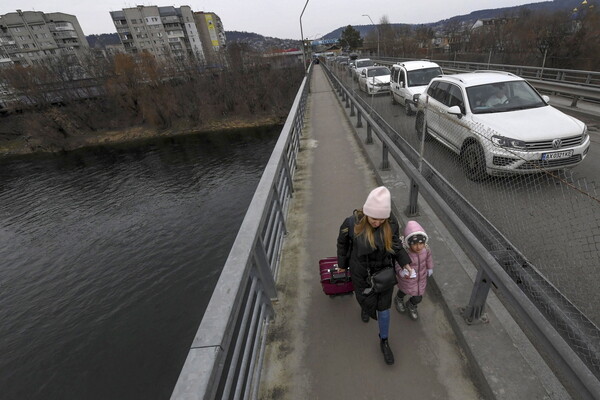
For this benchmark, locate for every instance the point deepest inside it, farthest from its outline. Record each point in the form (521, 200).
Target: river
(109, 256)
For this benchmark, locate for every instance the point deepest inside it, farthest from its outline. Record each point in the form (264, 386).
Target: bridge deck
(319, 348)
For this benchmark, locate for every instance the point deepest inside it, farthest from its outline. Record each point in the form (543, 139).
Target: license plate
(557, 155)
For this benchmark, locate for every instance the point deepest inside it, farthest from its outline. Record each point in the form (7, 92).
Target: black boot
(364, 315)
(388, 356)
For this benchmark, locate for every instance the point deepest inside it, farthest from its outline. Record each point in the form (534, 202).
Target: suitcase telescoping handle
(337, 276)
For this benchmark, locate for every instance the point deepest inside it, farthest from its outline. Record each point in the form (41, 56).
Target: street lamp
(366, 15)
(302, 38)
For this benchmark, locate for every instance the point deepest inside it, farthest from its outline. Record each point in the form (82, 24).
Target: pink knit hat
(379, 203)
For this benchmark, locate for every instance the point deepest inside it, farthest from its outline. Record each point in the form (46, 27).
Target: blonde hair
(363, 227)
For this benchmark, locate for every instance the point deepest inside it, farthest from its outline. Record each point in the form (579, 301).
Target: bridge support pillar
(474, 311)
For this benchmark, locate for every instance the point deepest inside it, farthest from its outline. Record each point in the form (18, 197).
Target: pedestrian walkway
(318, 347)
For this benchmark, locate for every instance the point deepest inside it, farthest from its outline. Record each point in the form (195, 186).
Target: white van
(410, 78)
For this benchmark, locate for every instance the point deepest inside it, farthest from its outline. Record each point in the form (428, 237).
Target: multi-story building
(212, 34)
(168, 31)
(31, 37)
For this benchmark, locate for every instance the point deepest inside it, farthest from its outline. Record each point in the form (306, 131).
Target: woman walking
(368, 241)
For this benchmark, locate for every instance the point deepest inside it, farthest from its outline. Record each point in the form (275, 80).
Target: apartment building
(31, 37)
(169, 31)
(212, 34)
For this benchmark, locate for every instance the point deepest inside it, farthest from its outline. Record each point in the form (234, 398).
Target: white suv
(359, 65)
(499, 124)
(410, 79)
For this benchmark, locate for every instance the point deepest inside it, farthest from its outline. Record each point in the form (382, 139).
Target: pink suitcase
(334, 282)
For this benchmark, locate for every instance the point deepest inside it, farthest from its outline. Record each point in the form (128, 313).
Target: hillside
(540, 7)
(261, 43)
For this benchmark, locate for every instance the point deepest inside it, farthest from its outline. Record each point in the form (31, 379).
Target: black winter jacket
(358, 255)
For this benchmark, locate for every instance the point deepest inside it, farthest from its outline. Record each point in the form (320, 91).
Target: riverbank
(30, 144)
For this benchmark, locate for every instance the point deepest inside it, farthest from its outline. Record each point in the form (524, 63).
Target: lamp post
(367, 15)
(302, 38)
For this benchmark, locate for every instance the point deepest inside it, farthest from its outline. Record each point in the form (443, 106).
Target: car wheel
(473, 161)
(421, 127)
(407, 108)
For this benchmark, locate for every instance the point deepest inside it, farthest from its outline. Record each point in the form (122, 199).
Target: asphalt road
(553, 222)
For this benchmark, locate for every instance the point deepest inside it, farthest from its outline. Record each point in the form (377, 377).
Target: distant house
(490, 22)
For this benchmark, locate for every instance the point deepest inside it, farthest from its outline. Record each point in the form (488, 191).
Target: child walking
(412, 281)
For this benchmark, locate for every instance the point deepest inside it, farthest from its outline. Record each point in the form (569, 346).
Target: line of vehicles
(495, 121)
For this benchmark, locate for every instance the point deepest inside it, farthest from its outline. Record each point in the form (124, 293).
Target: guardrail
(225, 358)
(499, 263)
(574, 84)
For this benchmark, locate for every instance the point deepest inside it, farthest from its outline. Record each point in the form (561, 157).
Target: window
(432, 88)
(441, 92)
(455, 97)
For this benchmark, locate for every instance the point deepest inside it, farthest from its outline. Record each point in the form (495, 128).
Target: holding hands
(408, 272)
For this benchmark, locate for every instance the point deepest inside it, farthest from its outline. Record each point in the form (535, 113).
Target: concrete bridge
(307, 345)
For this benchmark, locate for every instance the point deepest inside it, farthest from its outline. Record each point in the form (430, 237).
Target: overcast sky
(276, 18)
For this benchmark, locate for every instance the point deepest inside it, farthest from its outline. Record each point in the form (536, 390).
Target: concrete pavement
(318, 348)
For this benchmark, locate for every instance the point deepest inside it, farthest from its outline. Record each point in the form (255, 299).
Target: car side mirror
(455, 110)
(402, 84)
(546, 99)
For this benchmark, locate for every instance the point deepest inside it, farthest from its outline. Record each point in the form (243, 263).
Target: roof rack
(495, 71)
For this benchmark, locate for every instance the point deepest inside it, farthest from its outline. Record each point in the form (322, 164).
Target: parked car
(359, 64)
(499, 124)
(375, 79)
(409, 79)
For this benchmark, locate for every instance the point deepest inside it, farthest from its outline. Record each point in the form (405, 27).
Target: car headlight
(585, 134)
(502, 141)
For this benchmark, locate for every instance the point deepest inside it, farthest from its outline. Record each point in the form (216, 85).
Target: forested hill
(539, 7)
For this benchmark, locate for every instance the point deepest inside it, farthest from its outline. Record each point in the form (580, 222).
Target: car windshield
(502, 97)
(378, 71)
(421, 77)
(366, 63)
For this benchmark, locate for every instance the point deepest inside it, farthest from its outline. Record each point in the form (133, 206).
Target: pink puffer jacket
(421, 262)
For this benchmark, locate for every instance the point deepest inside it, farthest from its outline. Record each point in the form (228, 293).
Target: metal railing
(567, 346)
(574, 84)
(225, 358)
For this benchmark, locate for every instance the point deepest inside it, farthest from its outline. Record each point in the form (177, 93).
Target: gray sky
(277, 18)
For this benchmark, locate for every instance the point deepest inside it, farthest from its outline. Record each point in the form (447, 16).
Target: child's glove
(429, 272)
(404, 273)
(413, 273)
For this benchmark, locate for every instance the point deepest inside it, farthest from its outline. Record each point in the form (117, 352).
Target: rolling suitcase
(334, 282)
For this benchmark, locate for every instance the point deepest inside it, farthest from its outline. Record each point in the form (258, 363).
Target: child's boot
(399, 303)
(412, 310)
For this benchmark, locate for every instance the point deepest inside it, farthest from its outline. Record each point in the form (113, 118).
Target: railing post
(412, 210)
(385, 159)
(352, 112)
(264, 270)
(474, 312)
(358, 119)
(347, 99)
(369, 134)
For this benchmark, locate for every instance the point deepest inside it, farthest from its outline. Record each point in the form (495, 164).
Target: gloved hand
(429, 272)
(413, 273)
(404, 273)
